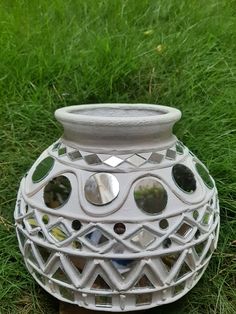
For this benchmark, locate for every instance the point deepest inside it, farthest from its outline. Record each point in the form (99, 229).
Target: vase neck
(118, 127)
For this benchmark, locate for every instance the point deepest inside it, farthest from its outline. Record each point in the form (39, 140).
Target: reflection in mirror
(204, 175)
(124, 266)
(184, 178)
(150, 196)
(184, 230)
(61, 275)
(100, 284)
(143, 282)
(96, 237)
(103, 300)
(119, 228)
(164, 224)
(144, 298)
(101, 188)
(179, 288)
(57, 192)
(59, 232)
(66, 293)
(42, 169)
(45, 219)
(169, 260)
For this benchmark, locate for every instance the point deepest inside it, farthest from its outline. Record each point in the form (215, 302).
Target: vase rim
(118, 114)
(118, 127)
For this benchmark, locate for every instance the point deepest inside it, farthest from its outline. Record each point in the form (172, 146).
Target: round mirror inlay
(101, 188)
(42, 169)
(150, 196)
(119, 228)
(57, 192)
(203, 173)
(184, 178)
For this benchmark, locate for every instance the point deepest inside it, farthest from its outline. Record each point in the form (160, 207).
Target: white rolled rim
(164, 114)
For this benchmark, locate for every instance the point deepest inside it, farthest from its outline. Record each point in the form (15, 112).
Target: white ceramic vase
(117, 215)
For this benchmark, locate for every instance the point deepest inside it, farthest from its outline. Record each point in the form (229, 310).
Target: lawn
(176, 53)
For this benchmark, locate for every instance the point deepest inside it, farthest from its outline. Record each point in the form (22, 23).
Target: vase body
(117, 215)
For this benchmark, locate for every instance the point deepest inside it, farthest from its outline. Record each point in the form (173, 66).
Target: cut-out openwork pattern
(155, 247)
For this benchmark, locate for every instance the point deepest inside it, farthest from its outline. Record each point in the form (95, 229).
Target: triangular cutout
(61, 275)
(43, 252)
(124, 266)
(184, 270)
(31, 256)
(169, 260)
(78, 262)
(199, 248)
(143, 282)
(100, 284)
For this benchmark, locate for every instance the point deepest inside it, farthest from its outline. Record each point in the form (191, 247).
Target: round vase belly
(117, 215)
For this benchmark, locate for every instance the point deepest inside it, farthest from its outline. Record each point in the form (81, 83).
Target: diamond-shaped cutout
(143, 282)
(32, 222)
(75, 155)
(59, 232)
(169, 260)
(170, 154)
(155, 158)
(184, 270)
(179, 148)
(206, 219)
(96, 237)
(62, 151)
(113, 161)
(124, 266)
(56, 146)
(136, 160)
(92, 159)
(184, 230)
(61, 275)
(100, 284)
(143, 238)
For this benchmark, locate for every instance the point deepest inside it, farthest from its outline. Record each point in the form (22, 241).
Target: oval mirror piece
(101, 188)
(184, 178)
(42, 169)
(57, 192)
(150, 196)
(203, 173)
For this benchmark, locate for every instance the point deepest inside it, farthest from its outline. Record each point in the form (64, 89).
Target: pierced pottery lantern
(117, 215)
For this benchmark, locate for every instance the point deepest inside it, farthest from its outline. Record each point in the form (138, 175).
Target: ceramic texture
(117, 215)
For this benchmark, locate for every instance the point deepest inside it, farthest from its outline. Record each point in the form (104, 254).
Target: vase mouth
(118, 127)
(117, 114)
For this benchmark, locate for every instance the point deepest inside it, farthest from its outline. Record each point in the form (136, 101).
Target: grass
(177, 53)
